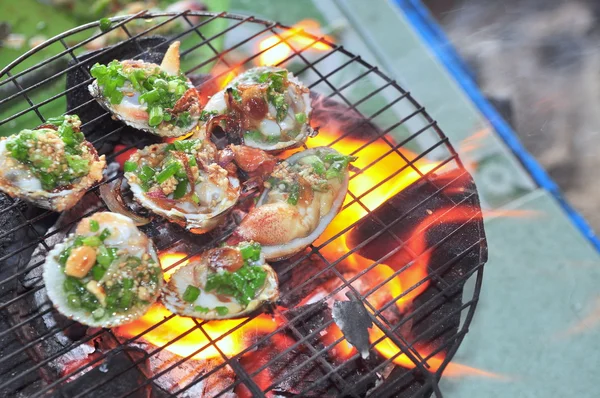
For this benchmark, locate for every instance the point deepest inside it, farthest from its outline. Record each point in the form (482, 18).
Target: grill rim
(119, 22)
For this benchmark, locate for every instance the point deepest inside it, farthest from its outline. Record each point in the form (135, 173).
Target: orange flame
(278, 49)
(374, 171)
(174, 330)
(377, 181)
(388, 349)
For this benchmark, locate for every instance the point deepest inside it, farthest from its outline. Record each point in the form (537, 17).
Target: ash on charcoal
(354, 322)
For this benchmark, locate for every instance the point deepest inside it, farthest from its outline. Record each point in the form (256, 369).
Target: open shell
(134, 114)
(297, 96)
(129, 241)
(260, 223)
(192, 273)
(198, 218)
(17, 180)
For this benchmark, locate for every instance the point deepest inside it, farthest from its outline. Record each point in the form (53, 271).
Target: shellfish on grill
(267, 107)
(182, 182)
(158, 99)
(226, 282)
(51, 166)
(301, 197)
(106, 273)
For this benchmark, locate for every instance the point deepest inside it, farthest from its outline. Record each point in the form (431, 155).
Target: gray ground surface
(543, 58)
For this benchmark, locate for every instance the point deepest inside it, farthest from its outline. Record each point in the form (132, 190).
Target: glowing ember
(279, 52)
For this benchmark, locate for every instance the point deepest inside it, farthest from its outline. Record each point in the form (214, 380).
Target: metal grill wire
(331, 79)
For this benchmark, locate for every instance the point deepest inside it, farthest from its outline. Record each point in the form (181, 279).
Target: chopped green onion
(155, 116)
(254, 135)
(201, 309)
(150, 97)
(127, 283)
(98, 272)
(126, 300)
(195, 198)
(104, 256)
(92, 241)
(105, 24)
(48, 181)
(191, 294)
(129, 166)
(222, 310)
(73, 285)
(168, 172)
(104, 234)
(250, 251)
(73, 301)
(181, 190)
(94, 226)
(64, 256)
(241, 284)
(319, 168)
(146, 173)
(116, 97)
(301, 117)
(294, 194)
(205, 115)
(78, 241)
(235, 93)
(98, 313)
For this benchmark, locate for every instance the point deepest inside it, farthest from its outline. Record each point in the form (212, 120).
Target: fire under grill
(397, 273)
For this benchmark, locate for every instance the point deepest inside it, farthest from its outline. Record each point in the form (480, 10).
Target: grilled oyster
(146, 96)
(182, 182)
(105, 274)
(302, 196)
(226, 282)
(51, 166)
(267, 106)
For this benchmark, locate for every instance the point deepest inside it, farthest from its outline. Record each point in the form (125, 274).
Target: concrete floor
(541, 60)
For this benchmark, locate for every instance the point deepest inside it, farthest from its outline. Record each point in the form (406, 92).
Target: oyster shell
(226, 282)
(268, 107)
(148, 97)
(302, 196)
(105, 274)
(160, 178)
(51, 166)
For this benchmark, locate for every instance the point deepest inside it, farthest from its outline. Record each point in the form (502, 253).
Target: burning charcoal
(354, 321)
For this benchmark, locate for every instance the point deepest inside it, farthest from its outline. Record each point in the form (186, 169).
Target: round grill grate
(411, 205)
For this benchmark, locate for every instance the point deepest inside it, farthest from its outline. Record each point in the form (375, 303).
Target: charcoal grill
(438, 208)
